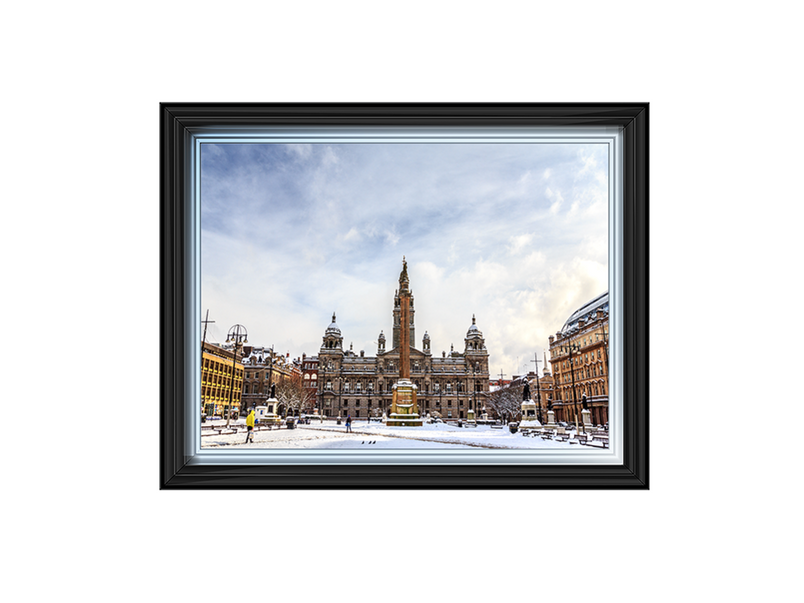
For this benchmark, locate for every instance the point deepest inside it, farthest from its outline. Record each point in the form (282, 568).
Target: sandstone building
(263, 369)
(579, 356)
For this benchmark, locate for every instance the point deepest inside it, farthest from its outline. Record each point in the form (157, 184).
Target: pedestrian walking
(250, 427)
(349, 424)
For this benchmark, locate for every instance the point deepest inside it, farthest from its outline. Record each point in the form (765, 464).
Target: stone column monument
(404, 408)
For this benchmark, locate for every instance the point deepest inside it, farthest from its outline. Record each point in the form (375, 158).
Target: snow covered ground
(329, 435)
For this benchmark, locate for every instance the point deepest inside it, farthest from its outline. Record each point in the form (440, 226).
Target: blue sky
(516, 234)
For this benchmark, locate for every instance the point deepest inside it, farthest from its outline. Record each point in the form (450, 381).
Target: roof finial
(473, 319)
(333, 317)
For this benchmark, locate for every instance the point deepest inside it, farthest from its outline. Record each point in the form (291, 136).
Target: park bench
(225, 431)
(496, 426)
(598, 441)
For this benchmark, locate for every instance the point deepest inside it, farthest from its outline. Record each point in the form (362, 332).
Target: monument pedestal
(529, 419)
(586, 417)
(551, 420)
(267, 413)
(404, 409)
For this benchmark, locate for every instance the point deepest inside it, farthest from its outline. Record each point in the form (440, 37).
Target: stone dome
(333, 328)
(473, 330)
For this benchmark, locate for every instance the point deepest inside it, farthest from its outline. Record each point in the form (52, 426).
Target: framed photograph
(404, 295)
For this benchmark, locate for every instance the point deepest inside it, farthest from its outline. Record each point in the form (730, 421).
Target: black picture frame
(178, 121)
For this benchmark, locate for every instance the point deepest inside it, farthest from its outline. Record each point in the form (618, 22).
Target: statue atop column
(404, 409)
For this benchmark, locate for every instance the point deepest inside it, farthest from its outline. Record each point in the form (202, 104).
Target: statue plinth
(529, 415)
(586, 418)
(404, 409)
(266, 414)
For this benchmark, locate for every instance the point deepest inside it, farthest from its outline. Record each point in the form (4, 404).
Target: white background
(84, 518)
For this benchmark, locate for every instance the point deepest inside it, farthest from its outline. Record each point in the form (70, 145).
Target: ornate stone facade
(263, 369)
(579, 356)
(362, 386)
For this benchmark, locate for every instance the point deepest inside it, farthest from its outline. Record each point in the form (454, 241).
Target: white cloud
(557, 200)
(518, 243)
(391, 237)
(302, 151)
(293, 233)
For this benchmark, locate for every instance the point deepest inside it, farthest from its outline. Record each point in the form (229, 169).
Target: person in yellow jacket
(250, 426)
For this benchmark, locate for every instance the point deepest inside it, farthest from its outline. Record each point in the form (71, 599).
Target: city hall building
(361, 386)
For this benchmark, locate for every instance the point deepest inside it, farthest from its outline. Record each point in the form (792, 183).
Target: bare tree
(294, 397)
(505, 402)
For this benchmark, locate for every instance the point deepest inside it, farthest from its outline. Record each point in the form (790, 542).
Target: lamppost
(538, 390)
(572, 347)
(370, 388)
(538, 395)
(206, 321)
(340, 388)
(474, 390)
(270, 370)
(237, 335)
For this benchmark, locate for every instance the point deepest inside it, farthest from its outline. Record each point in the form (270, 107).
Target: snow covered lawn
(377, 435)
